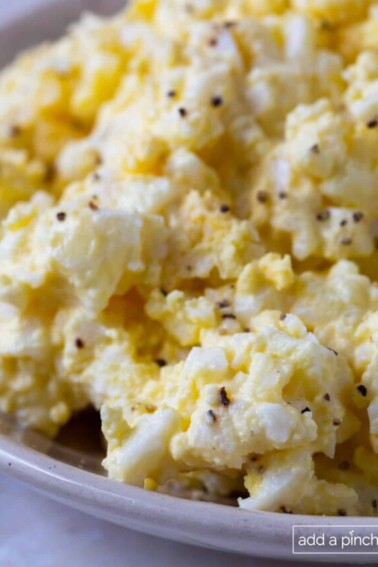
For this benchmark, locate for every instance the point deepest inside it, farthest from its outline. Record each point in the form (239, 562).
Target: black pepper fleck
(315, 149)
(358, 216)
(161, 362)
(182, 112)
(213, 42)
(223, 304)
(333, 350)
(224, 208)
(92, 205)
(211, 416)
(171, 94)
(262, 196)
(216, 101)
(163, 292)
(327, 397)
(79, 343)
(229, 25)
(336, 422)
(362, 389)
(282, 195)
(306, 410)
(283, 316)
(223, 397)
(373, 123)
(228, 316)
(344, 222)
(323, 215)
(61, 216)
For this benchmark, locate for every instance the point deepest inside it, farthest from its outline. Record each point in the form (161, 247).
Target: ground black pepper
(223, 397)
(211, 416)
(262, 196)
(217, 101)
(373, 123)
(323, 215)
(362, 389)
(358, 216)
(223, 304)
(92, 205)
(333, 350)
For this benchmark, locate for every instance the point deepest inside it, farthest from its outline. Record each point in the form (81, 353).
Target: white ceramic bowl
(75, 477)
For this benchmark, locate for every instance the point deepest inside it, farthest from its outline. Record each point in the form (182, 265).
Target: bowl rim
(206, 524)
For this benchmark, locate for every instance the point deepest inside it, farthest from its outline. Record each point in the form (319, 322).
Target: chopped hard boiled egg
(188, 244)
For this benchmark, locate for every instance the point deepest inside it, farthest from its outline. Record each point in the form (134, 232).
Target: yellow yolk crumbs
(189, 244)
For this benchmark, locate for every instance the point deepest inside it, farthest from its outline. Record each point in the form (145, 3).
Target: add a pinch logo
(335, 539)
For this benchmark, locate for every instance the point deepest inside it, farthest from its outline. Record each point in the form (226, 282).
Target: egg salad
(189, 244)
